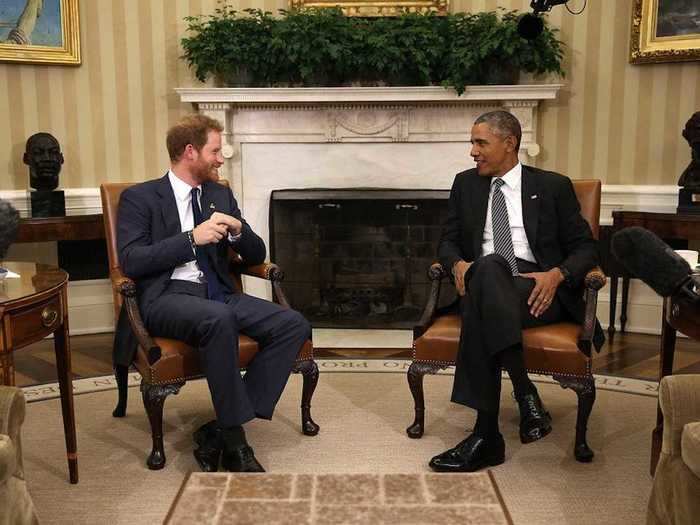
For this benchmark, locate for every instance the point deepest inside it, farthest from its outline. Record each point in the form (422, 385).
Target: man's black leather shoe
(472, 454)
(208, 449)
(535, 421)
(240, 459)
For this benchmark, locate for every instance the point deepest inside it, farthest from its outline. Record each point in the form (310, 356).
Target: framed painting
(665, 31)
(40, 31)
(376, 7)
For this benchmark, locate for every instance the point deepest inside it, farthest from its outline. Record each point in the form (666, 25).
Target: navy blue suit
(151, 244)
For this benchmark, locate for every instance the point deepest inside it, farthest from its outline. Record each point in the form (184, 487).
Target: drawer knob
(48, 316)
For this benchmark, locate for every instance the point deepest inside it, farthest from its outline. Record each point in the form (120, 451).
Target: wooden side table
(681, 314)
(68, 228)
(32, 307)
(666, 226)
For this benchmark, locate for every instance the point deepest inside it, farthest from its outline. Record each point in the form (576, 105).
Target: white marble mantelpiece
(386, 137)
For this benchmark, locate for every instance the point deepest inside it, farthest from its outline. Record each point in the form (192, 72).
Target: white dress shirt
(183, 198)
(512, 191)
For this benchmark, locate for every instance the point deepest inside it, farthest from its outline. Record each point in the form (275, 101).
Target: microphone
(653, 261)
(530, 26)
(9, 222)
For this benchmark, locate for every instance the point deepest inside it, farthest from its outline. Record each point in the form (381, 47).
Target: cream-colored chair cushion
(690, 447)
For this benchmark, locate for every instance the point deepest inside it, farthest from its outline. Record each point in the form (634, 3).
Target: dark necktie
(214, 289)
(502, 238)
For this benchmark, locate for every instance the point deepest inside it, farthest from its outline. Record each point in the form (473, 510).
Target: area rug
(363, 417)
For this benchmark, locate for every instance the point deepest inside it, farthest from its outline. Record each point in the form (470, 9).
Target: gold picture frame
(374, 8)
(58, 32)
(660, 34)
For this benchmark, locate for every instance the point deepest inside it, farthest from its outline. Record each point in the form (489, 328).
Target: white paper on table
(11, 275)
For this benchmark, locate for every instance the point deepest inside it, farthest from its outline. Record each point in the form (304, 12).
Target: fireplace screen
(357, 258)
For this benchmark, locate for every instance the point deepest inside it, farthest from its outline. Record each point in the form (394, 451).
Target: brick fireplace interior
(357, 258)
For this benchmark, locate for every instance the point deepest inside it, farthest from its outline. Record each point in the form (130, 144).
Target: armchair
(166, 364)
(562, 350)
(675, 493)
(16, 505)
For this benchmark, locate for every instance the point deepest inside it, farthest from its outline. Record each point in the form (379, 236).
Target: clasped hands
(215, 228)
(542, 295)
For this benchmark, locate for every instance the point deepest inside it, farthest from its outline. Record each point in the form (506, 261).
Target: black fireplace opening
(358, 258)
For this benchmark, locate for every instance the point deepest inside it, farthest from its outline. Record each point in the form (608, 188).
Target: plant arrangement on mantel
(322, 47)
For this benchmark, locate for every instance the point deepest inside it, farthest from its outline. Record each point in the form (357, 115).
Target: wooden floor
(629, 355)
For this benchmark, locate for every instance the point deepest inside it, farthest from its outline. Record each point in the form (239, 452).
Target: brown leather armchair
(175, 361)
(562, 350)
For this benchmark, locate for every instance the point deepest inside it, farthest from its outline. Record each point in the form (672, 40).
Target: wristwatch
(190, 237)
(566, 273)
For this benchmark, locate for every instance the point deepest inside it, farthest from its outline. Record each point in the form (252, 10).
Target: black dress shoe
(472, 454)
(535, 421)
(240, 459)
(208, 448)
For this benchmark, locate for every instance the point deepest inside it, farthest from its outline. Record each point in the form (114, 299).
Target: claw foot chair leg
(415, 382)
(309, 371)
(121, 374)
(153, 399)
(585, 390)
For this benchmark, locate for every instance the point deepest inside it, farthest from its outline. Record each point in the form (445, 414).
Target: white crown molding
(661, 199)
(364, 94)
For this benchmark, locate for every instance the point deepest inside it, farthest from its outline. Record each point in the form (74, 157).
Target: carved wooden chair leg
(153, 399)
(309, 371)
(415, 383)
(121, 374)
(585, 390)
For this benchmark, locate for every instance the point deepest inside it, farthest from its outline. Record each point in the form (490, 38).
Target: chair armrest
(436, 273)
(127, 289)
(595, 279)
(679, 398)
(267, 270)
(8, 458)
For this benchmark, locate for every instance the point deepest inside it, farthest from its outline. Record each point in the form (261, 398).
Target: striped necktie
(502, 239)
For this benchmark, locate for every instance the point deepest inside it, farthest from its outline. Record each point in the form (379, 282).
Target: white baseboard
(90, 302)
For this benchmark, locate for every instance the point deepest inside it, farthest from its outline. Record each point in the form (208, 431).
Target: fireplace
(357, 258)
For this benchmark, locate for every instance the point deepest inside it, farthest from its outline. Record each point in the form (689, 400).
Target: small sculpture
(9, 223)
(690, 178)
(44, 158)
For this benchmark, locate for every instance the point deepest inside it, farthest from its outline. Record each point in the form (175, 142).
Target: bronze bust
(44, 158)
(690, 178)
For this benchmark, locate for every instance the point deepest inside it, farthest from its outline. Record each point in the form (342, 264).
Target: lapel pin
(533, 196)
(212, 207)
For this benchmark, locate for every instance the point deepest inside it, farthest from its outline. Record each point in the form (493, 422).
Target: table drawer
(34, 323)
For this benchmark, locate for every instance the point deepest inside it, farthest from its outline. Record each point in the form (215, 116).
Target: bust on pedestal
(689, 195)
(44, 158)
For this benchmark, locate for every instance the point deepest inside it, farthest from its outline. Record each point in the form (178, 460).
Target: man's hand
(542, 295)
(209, 232)
(459, 270)
(233, 225)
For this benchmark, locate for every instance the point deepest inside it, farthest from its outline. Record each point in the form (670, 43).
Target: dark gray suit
(151, 244)
(494, 311)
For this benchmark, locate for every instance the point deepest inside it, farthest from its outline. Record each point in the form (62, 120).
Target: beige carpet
(362, 418)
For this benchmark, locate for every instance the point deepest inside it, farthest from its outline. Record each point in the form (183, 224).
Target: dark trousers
(494, 312)
(183, 312)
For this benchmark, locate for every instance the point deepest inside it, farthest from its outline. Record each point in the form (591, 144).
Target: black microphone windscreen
(9, 222)
(530, 26)
(650, 259)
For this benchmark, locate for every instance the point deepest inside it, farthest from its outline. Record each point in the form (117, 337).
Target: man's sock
(513, 362)
(486, 424)
(233, 437)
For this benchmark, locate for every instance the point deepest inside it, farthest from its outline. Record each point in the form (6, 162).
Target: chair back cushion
(588, 195)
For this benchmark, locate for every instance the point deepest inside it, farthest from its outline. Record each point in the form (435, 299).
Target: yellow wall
(614, 121)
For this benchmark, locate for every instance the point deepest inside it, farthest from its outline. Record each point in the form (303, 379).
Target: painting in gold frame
(376, 7)
(665, 31)
(40, 32)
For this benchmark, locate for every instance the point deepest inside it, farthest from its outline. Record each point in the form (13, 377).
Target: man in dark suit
(173, 237)
(518, 248)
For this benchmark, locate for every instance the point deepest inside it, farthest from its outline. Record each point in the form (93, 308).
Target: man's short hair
(503, 124)
(192, 129)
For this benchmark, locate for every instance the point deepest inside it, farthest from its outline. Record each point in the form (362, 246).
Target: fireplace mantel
(381, 137)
